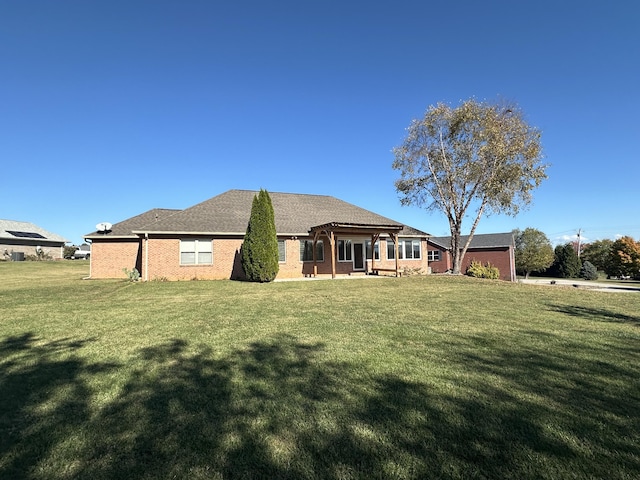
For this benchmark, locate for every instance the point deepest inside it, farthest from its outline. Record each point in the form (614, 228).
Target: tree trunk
(455, 252)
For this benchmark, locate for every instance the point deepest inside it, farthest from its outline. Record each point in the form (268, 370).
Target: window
(376, 250)
(344, 250)
(409, 249)
(433, 255)
(196, 252)
(306, 252)
(282, 251)
(391, 250)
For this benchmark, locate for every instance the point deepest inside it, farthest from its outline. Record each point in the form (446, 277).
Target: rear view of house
(317, 235)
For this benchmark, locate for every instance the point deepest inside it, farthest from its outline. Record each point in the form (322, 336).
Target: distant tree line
(617, 259)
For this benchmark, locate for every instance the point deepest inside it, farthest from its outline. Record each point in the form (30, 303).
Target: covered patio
(335, 230)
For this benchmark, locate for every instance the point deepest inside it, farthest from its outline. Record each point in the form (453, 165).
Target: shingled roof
(126, 227)
(487, 240)
(228, 213)
(26, 231)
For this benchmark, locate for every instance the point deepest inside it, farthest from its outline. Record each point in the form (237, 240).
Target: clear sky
(111, 108)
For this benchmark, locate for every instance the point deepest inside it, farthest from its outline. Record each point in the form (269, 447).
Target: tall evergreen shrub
(588, 271)
(260, 246)
(566, 263)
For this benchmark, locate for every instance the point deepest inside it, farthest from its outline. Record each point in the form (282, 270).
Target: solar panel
(25, 234)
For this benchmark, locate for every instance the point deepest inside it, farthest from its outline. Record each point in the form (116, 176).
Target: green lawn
(419, 377)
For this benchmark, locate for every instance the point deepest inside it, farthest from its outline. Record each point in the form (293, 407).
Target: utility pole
(579, 238)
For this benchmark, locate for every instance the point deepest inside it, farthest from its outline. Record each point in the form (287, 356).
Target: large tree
(478, 157)
(260, 246)
(534, 252)
(597, 252)
(624, 258)
(566, 263)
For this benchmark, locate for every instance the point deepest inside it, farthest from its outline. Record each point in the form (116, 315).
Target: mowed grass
(420, 377)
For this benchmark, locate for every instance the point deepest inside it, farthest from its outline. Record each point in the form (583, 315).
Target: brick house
(317, 236)
(19, 239)
(495, 248)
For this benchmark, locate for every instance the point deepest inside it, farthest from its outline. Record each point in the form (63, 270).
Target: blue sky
(112, 108)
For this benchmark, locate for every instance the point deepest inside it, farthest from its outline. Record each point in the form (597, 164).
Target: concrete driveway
(585, 284)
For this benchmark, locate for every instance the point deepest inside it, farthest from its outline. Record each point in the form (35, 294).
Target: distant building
(19, 239)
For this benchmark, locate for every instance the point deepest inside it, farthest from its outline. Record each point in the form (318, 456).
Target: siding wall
(56, 251)
(500, 257)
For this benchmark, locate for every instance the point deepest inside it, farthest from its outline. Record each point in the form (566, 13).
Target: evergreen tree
(260, 246)
(588, 271)
(566, 263)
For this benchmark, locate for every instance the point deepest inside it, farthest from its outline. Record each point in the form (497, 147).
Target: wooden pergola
(333, 230)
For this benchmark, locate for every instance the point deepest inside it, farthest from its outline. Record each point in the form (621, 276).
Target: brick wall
(110, 257)
(161, 256)
(164, 261)
(442, 265)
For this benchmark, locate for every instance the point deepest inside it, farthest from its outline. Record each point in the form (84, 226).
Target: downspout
(146, 257)
(512, 259)
(396, 240)
(332, 245)
(90, 258)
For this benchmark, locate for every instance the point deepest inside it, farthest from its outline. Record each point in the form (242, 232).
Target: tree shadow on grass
(278, 408)
(585, 404)
(43, 399)
(597, 314)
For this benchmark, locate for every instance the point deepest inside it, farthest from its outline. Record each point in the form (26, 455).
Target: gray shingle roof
(7, 226)
(229, 213)
(126, 227)
(486, 240)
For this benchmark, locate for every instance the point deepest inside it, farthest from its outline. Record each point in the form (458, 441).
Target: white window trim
(201, 245)
(401, 248)
(348, 254)
(392, 245)
(433, 255)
